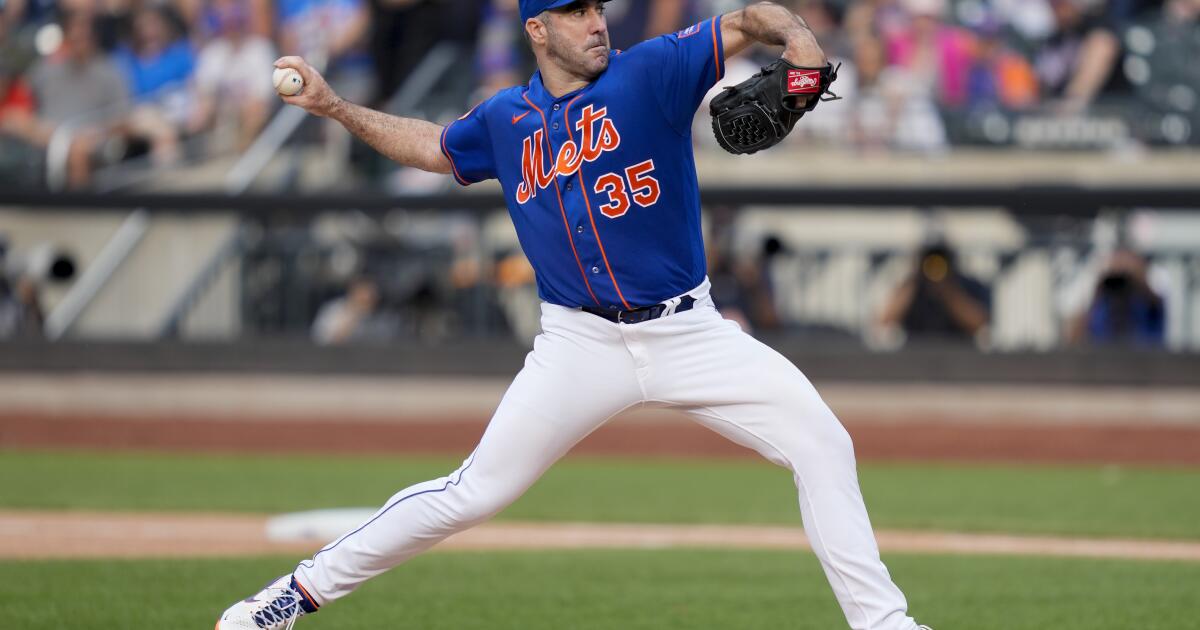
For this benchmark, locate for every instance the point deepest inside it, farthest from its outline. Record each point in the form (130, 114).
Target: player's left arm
(768, 23)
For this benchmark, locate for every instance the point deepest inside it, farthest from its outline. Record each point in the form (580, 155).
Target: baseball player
(594, 155)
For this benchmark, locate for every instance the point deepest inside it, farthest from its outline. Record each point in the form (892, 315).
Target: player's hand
(316, 97)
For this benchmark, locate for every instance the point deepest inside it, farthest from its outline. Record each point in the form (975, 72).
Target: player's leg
(735, 385)
(577, 376)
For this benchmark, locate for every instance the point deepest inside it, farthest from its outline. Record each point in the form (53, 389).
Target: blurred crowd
(379, 291)
(97, 81)
(935, 301)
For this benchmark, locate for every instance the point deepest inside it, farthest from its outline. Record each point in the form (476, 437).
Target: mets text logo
(599, 135)
(804, 81)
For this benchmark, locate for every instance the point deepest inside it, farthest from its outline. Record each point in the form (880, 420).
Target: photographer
(355, 317)
(20, 310)
(1124, 309)
(937, 301)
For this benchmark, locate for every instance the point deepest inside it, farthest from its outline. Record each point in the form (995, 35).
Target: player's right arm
(771, 24)
(408, 141)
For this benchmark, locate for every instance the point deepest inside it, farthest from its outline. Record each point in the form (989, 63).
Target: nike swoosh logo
(517, 119)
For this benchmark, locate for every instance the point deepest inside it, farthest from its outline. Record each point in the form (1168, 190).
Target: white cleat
(276, 607)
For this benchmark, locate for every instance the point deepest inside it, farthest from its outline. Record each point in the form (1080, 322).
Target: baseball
(287, 81)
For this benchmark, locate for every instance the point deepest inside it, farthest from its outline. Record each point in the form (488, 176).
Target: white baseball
(288, 81)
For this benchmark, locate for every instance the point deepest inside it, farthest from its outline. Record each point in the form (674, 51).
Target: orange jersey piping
(716, 24)
(446, 152)
(561, 207)
(588, 204)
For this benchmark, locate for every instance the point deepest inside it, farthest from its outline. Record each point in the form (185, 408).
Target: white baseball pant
(582, 371)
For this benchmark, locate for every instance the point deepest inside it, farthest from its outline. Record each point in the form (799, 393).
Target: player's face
(577, 38)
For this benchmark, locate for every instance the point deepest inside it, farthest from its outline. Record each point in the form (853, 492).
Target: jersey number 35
(637, 180)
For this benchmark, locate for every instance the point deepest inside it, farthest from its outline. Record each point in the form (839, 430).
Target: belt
(646, 313)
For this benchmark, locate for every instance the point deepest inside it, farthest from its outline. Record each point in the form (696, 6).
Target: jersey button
(556, 106)
(569, 186)
(595, 270)
(556, 125)
(579, 229)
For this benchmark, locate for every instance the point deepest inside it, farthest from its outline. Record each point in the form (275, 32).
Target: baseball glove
(760, 111)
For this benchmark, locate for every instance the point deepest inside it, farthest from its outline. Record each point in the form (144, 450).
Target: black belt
(644, 314)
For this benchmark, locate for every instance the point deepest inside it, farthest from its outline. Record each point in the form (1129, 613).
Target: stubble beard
(578, 61)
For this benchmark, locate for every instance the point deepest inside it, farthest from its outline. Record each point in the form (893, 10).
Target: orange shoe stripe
(304, 592)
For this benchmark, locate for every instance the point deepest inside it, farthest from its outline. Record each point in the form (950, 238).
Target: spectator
(999, 77)
(1079, 61)
(742, 283)
(721, 258)
(404, 31)
(333, 35)
(16, 108)
(516, 295)
(1163, 63)
(15, 96)
(335, 30)
(1030, 20)
(873, 19)
(825, 20)
(1124, 310)
(197, 18)
(937, 301)
(232, 90)
(936, 55)
(77, 85)
(630, 23)
(20, 310)
(158, 58)
(157, 66)
(19, 20)
(502, 58)
(887, 109)
(12, 14)
(757, 284)
(17, 14)
(354, 317)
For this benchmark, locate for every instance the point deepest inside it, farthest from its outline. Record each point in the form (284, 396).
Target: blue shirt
(148, 75)
(1130, 317)
(601, 183)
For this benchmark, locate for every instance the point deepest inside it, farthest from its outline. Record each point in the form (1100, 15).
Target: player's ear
(535, 31)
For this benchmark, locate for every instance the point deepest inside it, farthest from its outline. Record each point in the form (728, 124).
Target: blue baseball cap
(534, 8)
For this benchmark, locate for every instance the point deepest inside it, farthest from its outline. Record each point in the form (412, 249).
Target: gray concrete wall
(137, 301)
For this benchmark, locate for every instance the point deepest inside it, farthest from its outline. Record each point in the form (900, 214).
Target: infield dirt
(42, 535)
(357, 415)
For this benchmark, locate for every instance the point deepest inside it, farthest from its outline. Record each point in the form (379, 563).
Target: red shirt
(18, 98)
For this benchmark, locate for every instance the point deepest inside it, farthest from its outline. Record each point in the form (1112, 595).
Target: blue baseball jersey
(601, 182)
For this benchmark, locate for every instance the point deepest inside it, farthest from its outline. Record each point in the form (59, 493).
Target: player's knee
(488, 507)
(823, 438)
(838, 439)
(478, 506)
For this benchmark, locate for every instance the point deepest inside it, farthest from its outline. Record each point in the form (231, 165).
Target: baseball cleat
(276, 607)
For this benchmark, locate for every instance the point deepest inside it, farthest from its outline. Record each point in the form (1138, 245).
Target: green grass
(605, 590)
(1082, 501)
